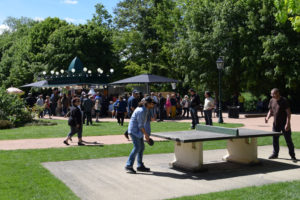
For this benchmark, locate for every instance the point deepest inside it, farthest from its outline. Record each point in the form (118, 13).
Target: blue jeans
(138, 150)
(208, 116)
(194, 114)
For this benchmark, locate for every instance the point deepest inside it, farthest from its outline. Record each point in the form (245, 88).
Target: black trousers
(120, 117)
(161, 114)
(208, 117)
(75, 130)
(288, 138)
(186, 110)
(88, 116)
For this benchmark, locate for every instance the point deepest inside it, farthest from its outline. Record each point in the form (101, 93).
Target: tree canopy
(180, 39)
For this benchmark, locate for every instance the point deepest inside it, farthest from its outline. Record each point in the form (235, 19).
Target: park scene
(149, 99)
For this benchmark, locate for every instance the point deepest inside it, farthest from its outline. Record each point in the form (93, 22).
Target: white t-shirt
(208, 103)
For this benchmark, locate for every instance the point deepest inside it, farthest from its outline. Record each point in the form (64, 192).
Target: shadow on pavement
(224, 170)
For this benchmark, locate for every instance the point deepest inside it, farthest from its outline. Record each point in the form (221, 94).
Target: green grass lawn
(102, 128)
(23, 177)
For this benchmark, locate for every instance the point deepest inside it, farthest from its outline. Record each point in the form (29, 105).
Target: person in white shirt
(40, 103)
(208, 107)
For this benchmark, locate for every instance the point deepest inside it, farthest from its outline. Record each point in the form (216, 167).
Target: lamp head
(220, 63)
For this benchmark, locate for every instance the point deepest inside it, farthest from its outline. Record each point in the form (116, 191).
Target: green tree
(288, 10)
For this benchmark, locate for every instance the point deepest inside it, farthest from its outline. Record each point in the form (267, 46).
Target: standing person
(161, 107)
(173, 106)
(195, 102)
(54, 99)
(178, 105)
(132, 105)
(75, 122)
(59, 106)
(139, 127)
(40, 104)
(30, 100)
(47, 106)
(65, 104)
(209, 105)
(168, 106)
(121, 110)
(279, 108)
(155, 99)
(186, 106)
(97, 108)
(132, 102)
(87, 109)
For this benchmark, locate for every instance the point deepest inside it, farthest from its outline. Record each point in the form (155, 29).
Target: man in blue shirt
(139, 126)
(132, 102)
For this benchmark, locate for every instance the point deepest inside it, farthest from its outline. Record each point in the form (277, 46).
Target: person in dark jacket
(87, 107)
(121, 105)
(161, 107)
(75, 122)
(195, 102)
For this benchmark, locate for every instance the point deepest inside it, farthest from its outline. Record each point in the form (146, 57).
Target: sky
(74, 11)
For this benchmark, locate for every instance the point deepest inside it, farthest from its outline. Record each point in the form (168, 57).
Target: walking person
(121, 110)
(75, 122)
(209, 105)
(279, 108)
(185, 103)
(195, 103)
(139, 127)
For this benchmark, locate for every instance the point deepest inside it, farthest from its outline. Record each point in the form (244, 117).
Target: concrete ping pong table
(241, 145)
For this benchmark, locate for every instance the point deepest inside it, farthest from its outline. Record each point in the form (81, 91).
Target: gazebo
(76, 75)
(145, 79)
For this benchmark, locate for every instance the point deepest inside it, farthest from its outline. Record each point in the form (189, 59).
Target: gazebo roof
(145, 78)
(76, 64)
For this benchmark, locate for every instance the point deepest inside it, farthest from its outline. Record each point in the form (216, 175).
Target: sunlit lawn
(23, 177)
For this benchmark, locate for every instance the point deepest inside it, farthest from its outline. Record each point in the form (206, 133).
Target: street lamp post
(220, 66)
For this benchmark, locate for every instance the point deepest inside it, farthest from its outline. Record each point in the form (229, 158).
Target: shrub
(13, 109)
(4, 124)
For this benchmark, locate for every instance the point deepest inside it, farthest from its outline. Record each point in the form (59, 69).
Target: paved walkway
(250, 123)
(106, 179)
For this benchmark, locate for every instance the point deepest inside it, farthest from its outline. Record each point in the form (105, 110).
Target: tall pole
(220, 97)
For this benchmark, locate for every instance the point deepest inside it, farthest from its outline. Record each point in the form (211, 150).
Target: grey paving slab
(106, 179)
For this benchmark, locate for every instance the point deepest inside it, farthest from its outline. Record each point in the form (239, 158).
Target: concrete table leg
(188, 156)
(242, 150)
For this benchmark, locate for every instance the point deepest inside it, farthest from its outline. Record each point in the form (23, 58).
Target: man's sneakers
(143, 169)
(273, 156)
(130, 170)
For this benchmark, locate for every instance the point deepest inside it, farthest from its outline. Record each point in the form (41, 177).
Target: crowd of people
(168, 106)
